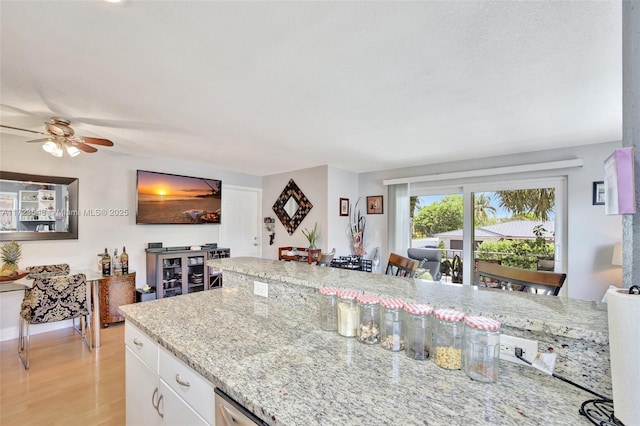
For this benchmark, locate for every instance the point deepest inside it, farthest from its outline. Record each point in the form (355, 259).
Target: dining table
(93, 294)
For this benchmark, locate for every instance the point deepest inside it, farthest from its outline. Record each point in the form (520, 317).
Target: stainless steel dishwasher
(230, 413)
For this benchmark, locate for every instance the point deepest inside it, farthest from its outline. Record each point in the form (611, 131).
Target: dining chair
(508, 278)
(48, 270)
(401, 266)
(51, 299)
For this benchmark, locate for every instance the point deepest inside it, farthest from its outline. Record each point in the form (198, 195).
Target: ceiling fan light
(58, 152)
(72, 151)
(50, 147)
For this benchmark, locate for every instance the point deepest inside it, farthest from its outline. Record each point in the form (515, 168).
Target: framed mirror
(34, 207)
(291, 207)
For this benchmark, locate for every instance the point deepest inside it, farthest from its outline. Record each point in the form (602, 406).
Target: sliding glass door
(516, 223)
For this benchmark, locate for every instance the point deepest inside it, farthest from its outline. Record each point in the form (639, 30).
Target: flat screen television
(164, 198)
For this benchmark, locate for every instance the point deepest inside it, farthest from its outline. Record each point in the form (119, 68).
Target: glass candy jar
(481, 348)
(448, 334)
(369, 328)
(418, 330)
(391, 337)
(348, 313)
(329, 308)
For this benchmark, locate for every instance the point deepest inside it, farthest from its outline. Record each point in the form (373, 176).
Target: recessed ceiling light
(113, 1)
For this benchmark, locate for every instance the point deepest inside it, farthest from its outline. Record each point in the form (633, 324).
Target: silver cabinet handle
(137, 342)
(182, 383)
(158, 409)
(153, 399)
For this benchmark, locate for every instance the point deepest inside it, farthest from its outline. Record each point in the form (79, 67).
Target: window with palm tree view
(512, 227)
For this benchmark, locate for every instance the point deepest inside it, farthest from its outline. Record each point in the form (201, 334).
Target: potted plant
(312, 236)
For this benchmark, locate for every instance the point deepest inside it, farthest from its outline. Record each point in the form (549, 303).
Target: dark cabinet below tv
(180, 270)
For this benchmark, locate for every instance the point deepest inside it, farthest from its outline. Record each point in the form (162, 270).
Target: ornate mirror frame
(291, 191)
(70, 208)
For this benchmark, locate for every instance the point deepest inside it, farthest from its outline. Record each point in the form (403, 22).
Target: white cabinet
(37, 205)
(160, 389)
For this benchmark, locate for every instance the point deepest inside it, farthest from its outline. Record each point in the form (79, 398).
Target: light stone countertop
(273, 358)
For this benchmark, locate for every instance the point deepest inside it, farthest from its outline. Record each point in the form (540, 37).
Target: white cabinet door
(176, 412)
(142, 392)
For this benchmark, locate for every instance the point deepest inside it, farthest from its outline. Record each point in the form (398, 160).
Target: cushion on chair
(55, 299)
(48, 270)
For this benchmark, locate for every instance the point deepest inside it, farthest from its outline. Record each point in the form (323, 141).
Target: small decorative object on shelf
(10, 253)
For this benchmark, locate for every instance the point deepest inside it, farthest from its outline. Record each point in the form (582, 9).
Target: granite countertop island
(271, 356)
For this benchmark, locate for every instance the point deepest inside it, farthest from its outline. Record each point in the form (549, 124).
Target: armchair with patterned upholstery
(51, 299)
(48, 270)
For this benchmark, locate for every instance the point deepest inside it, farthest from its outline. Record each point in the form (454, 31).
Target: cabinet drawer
(141, 345)
(195, 390)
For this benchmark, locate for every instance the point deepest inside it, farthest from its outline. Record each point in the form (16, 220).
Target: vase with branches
(357, 224)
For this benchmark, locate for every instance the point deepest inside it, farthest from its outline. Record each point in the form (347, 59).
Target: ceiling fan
(60, 135)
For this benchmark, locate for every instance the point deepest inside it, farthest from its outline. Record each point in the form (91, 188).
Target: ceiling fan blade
(83, 147)
(39, 140)
(24, 130)
(97, 141)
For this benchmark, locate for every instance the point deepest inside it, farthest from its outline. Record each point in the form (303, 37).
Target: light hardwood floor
(65, 384)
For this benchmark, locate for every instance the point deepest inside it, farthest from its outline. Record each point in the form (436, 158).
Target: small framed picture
(374, 205)
(598, 193)
(344, 207)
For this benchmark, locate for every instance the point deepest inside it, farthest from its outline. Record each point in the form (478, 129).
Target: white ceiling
(270, 87)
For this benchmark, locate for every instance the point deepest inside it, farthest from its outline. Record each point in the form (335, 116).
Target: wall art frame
(291, 207)
(375, 204)
(598, 193)
(344, 207)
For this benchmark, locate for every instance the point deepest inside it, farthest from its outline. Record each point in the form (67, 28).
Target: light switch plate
(260, 289)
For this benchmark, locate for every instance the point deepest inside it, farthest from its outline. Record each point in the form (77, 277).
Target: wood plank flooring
(65, 384)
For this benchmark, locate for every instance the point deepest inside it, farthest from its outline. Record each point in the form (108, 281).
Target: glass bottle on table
(124, 260)
(106, 263)
(116, 264)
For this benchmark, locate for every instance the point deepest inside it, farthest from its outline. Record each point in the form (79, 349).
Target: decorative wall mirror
(34, 207)
(291, 207)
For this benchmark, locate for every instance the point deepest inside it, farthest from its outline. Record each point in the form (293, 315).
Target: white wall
(313, 183)
(591, 234)
(341, 184)
(108, 180)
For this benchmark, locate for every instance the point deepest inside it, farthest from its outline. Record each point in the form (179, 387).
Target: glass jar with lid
(329, 308)
(369, 328)
(418, 330)
(481, 348)
(348, 313)
(448, 338)
(391, 333)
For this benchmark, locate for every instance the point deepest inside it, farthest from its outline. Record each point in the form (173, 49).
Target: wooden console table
(115, 291)
(298, 254)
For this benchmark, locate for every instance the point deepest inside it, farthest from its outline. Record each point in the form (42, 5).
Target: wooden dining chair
(401, 266)
(541, 282)
(51, 299)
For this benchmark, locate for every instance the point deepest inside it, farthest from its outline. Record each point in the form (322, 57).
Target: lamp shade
(617, 254)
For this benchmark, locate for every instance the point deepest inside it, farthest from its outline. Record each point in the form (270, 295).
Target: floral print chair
(48, 270)
(51, 299)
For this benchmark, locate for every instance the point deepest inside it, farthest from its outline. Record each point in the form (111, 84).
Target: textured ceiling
(270, 87)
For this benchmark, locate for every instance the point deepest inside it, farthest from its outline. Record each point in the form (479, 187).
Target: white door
(240, 229)
(142, 392)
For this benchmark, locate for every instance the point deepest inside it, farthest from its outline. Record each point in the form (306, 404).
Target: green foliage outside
(516, 253)
(439, 217)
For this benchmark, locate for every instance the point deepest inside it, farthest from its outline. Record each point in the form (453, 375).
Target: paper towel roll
(624, 350)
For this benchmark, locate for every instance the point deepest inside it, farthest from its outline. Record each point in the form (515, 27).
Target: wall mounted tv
(173, 199)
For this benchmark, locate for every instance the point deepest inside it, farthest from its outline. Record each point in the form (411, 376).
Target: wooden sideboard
(299, 254)
(115, 291)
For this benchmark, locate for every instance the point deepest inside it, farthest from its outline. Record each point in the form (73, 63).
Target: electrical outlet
(260, 289)
(508, 346)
